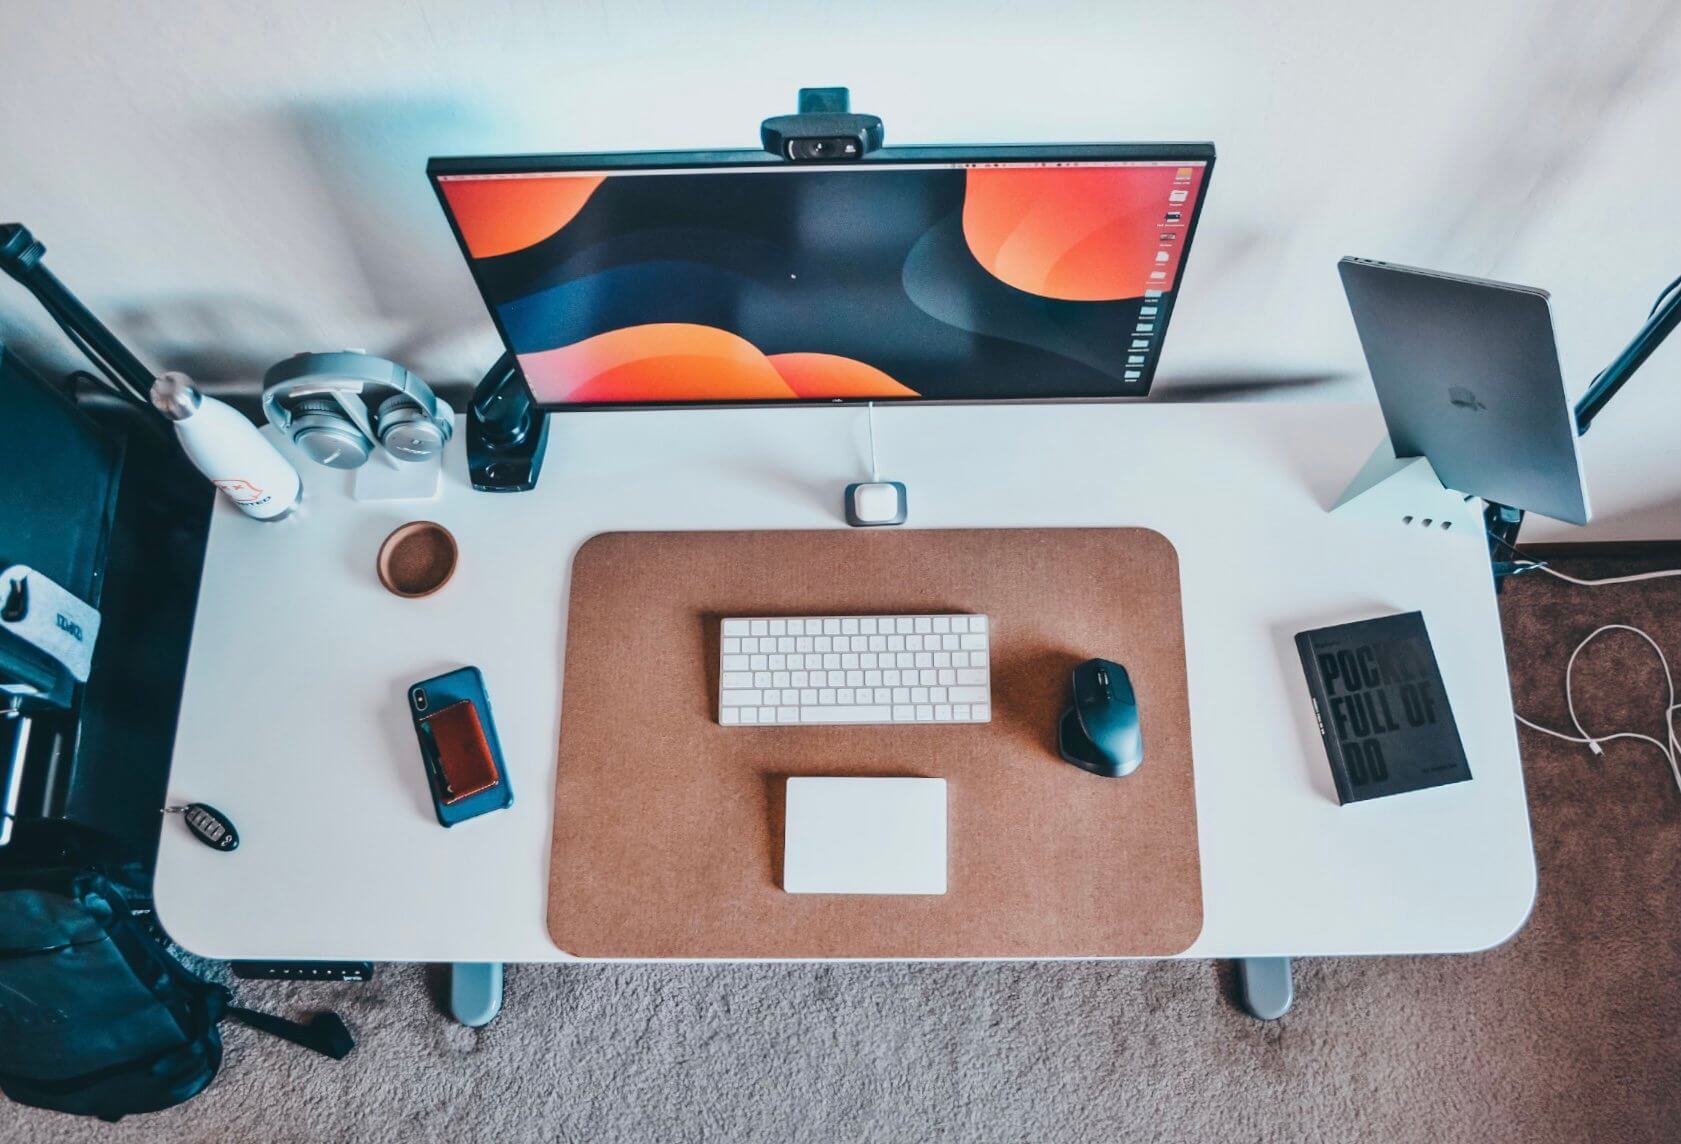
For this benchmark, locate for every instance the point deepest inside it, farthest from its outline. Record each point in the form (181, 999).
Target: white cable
(875, 477)
(1596, 583)
(1671, 752)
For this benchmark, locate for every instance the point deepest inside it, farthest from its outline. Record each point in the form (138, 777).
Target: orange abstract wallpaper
(1086, 235)
(498, 216)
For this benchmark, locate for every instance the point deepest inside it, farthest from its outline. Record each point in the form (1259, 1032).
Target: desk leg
(1265, 982)
(475, 992)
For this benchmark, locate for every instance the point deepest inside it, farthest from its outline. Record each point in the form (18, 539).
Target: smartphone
(458, 746)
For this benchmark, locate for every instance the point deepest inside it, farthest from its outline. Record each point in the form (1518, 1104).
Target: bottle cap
(174, 396)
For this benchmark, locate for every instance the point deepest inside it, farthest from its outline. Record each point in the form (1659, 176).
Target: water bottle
(228, 449)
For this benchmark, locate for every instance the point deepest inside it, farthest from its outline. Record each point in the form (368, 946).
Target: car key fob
(209, 825)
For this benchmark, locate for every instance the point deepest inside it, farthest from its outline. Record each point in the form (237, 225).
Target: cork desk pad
(668, 826)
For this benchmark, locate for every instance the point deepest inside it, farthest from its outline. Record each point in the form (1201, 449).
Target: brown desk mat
(668, 827)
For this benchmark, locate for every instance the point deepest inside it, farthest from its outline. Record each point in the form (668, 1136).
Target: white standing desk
(293, 720)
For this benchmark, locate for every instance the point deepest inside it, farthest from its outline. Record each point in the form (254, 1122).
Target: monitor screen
(755, 280)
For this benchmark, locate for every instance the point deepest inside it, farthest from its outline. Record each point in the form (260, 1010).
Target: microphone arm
(20, 257)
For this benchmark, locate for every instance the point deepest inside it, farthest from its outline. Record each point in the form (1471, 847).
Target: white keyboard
(855, 669)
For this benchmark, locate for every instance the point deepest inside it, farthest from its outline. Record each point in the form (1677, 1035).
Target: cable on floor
(1672, 750)
(1541, 566)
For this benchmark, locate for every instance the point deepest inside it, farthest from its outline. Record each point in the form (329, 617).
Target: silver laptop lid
(1467, 374)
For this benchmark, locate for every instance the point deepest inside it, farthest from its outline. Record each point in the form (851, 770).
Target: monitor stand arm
(507, 431)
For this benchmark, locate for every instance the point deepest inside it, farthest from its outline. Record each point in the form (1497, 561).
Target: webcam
(823, 131)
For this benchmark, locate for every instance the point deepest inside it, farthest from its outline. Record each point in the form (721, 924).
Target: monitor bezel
(440, 167)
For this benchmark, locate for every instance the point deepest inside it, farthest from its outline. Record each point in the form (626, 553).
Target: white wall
(229, 182)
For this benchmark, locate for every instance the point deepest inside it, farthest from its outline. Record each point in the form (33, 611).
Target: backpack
(97, 1018)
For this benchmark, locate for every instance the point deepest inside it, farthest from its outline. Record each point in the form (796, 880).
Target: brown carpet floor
(1570, 1032)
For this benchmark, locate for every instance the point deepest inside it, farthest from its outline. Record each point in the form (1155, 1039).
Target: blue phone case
(435, 694)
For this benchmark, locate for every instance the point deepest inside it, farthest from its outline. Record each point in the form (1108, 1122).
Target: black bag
(96, 1017)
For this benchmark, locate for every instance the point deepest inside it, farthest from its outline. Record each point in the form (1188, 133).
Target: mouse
(1100, 732)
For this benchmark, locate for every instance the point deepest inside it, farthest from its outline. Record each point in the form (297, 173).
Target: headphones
(335, 406)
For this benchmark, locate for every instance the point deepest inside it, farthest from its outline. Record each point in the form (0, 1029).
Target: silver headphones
(335, 406)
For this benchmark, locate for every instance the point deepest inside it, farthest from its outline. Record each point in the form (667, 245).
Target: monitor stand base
(507, 431)
(495, 467)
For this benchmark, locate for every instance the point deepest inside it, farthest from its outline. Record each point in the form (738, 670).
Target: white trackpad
(865, 836)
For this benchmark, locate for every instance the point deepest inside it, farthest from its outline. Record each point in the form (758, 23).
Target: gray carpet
(1570, 1032)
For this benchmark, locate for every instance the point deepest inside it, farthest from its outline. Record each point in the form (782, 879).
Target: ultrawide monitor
(932, 273)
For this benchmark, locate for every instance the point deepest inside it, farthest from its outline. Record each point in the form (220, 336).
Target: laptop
(1467, 374)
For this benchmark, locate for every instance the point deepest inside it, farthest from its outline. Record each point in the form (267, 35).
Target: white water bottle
(228, 449)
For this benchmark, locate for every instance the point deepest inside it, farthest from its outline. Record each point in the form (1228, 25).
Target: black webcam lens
(826, 147)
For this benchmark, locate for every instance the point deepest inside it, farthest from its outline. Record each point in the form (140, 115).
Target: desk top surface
(293, 720)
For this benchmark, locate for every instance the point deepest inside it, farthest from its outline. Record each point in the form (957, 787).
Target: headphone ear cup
(408, 432)
(326, 436)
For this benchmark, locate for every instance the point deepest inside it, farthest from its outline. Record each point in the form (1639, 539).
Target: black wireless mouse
(1099, 732)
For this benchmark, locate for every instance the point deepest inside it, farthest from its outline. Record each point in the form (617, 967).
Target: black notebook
(1382, 710)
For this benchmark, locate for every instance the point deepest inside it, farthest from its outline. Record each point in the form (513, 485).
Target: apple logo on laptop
(1463, 398)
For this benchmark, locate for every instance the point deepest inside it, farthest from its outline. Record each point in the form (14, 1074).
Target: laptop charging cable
(1672, 749)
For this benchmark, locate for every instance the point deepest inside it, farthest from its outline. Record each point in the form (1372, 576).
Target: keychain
(209, 825)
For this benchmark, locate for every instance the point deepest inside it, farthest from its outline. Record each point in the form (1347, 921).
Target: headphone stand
(384, 478)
